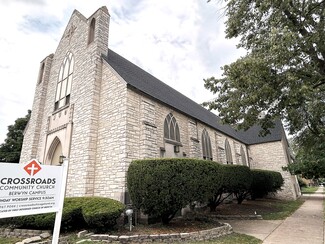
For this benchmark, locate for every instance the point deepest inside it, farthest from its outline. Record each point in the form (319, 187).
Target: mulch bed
(182, 225)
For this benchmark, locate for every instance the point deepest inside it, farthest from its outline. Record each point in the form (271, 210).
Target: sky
(179, 42)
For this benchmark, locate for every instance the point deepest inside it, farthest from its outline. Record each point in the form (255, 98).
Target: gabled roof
(144, 82)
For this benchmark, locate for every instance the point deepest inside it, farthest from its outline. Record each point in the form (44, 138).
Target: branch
(319, 84)
(303, 31)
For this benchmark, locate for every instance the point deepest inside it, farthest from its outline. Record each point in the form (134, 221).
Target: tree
(310, 156)
(10, 149)
(282, 75)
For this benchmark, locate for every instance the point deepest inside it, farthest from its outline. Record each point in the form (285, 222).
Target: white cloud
(180, 42)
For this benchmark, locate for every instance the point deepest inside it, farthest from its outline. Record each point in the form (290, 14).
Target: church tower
(66, 101)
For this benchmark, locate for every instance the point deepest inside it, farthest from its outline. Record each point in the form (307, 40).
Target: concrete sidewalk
(306, 225)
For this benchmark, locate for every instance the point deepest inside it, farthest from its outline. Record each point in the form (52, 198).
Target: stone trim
(43, 236)
(6, 232)
(57, 129)
(209, 234)
(241, 217)
(195, 139)
(176, 143)
(149, 124)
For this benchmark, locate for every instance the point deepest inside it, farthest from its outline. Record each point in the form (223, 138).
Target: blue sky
(179, 42)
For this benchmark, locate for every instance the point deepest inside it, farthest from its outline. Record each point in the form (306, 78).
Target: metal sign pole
(58, 215)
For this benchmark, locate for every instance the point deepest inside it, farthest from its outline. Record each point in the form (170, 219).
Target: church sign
(29, 189)
(32, 188)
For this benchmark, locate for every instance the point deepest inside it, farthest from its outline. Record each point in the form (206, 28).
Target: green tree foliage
(162, 187)
(11, 148)
(283, 72)
(310, 156)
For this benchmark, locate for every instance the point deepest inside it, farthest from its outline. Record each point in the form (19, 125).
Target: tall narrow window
(41, 73)
(243, 157)
(171, 129)
(91, 35)
(228, 152)
(63, 88)
(206, 145)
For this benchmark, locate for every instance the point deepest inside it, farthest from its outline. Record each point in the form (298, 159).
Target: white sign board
(33, 188)
(29, 188)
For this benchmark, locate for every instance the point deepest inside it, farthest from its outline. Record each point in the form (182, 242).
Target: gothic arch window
(63, 88)
(171, 129)
(206, 145)
(91, 35)
(228, 152)
(54, 152)
(243, 157)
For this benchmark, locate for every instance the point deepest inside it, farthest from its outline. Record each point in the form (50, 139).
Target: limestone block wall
(235, 146)
(145, 124)
(111, 151)
(272, 156)
(33, 132)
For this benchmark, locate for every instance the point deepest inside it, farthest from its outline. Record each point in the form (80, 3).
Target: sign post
(58, 215)
(32, 188)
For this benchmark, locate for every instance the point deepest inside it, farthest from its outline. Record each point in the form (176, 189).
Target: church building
(101, 111)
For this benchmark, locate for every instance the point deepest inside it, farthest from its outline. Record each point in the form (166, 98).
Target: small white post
(58, 215)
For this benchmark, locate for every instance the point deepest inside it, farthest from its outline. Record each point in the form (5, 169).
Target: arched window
(171, 129)
(243, 157)
(63, 88)
(206, 145)
(228, 152)
(91, 35)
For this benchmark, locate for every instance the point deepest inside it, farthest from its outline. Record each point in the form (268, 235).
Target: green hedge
(97, 213)
(101, 213)
(265, 182)
(237, 181)
(161, 187)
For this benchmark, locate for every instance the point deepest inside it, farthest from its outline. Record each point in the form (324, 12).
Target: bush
(78, 213)
(237, 180)
(161, 187)
(101, 213)
(265, 182)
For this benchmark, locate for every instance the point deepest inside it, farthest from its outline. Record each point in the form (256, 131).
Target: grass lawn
(8, 240)
(310, 189)
(270, 209)
(232, 239)
(283, 209)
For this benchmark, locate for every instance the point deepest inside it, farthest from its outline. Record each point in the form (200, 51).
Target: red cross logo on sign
(32, 168)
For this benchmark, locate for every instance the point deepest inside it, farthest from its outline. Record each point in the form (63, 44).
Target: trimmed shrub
(98, 213)
(237, 180)
(161, 187)
(101, 213)
(265, 182)
(277, 181)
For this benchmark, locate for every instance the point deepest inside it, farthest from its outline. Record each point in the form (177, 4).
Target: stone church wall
(111, 151)
(272, 156)
(32, 134)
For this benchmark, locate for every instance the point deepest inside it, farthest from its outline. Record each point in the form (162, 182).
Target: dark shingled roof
(141, 80)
